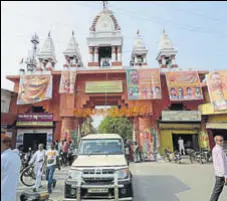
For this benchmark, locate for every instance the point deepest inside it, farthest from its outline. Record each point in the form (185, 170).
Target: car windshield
(101, 147)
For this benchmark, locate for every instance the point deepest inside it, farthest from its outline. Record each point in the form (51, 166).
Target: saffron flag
(67, 83)
(184, 85)
(143, 84)
(34, 88)
(217, 86)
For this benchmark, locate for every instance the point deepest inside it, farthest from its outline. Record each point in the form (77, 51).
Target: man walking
(10, 169)
(181, 145)
(51, 161)
(38, 159)
(220, 167)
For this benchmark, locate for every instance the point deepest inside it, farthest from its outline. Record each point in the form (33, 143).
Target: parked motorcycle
(173, 156)
(196, 156)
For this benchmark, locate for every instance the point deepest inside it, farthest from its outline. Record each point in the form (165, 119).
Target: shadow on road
(157, 188)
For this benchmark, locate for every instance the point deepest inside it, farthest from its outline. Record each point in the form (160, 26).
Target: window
(2, 106)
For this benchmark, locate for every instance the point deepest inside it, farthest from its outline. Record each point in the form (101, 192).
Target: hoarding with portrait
(217, 86)
(34, 88)
(184, 86)
(143, 84)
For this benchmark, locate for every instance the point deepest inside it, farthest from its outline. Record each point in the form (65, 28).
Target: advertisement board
(184, 85)
(143, 84)
(67, 83)
(217, 86)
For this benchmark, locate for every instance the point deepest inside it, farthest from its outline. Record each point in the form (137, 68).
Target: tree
(118, 125)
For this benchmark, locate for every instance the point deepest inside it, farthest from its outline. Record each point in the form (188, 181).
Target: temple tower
(46, 57)
(105, 41)
(72, 54)
(139, 52)
(167, 53)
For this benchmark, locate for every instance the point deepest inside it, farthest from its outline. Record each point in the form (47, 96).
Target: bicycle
(28, 176)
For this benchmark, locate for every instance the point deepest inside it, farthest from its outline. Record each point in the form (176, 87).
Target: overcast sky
(198, 30)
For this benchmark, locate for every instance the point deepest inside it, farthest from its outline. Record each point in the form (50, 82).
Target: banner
(104, 87)
(67, 83)
(34, 88)
(217, 86)
(143, 84)
(184, 86)
(147, 145)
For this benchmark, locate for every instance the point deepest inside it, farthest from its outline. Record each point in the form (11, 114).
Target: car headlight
(123, 174)
(74, 174)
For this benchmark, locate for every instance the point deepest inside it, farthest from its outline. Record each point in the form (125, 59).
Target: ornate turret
(139, 52)
(72, 54)
(105, 40)
(47, 54)
(167, 53)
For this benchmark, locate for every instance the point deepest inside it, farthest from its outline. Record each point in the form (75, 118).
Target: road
(160, 182)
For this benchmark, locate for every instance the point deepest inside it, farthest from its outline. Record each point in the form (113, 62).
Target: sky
(198, 30)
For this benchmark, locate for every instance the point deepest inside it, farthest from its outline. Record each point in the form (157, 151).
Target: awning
(216, 126)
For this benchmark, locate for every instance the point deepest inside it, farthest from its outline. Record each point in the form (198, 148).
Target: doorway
(33, 140)
(190, 141)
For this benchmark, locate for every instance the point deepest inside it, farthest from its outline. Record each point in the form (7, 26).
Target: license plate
(98, 190)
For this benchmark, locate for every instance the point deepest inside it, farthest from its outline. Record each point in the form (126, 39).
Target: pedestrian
(220, 167)
(181, 145)
(56, 145)
(10, 170)
(51, 162)
(65, 150)
(127, 153)
(38, 159)
(136, 152)
(60, 146)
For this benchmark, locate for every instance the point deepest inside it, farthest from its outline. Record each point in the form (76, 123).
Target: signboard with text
(181, 116)
(104, 87)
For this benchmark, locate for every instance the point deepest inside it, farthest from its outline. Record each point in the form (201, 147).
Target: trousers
(49, 177)
(218, 187)
(38, 172)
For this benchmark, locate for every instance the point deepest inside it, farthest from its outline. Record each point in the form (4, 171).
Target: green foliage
(121, 126)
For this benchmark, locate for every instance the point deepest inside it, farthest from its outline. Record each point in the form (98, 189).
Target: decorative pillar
(134, 130)
(91, 54)
(113, 54)
(144, 59)
(96, 54)
(67, 126)
(118, 53)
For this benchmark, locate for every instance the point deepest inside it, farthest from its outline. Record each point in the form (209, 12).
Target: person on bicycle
(38, 159)
(10, 170)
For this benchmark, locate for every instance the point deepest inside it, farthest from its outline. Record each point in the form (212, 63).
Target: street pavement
(159, 181)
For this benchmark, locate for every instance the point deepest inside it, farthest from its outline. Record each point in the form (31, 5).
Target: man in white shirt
(220, 167)
(51, 160)
(38, 159)
(10, 169)
(181, 145)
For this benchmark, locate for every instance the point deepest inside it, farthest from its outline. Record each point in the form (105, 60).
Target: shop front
(216, 123)
(176, 124)
(33, 129)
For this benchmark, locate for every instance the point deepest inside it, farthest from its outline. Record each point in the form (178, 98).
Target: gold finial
(138, 32)
(73, 33)
(164, 31)
(104, 3)
(49, 34)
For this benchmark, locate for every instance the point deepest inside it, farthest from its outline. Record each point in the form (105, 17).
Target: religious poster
(49, 139)
(34, 88)
(217, 86)
(20, 139)
(147, 145)
(143, 84)
(67, 83)
(184, 85)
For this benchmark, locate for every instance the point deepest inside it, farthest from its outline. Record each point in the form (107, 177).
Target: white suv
(100, 170)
